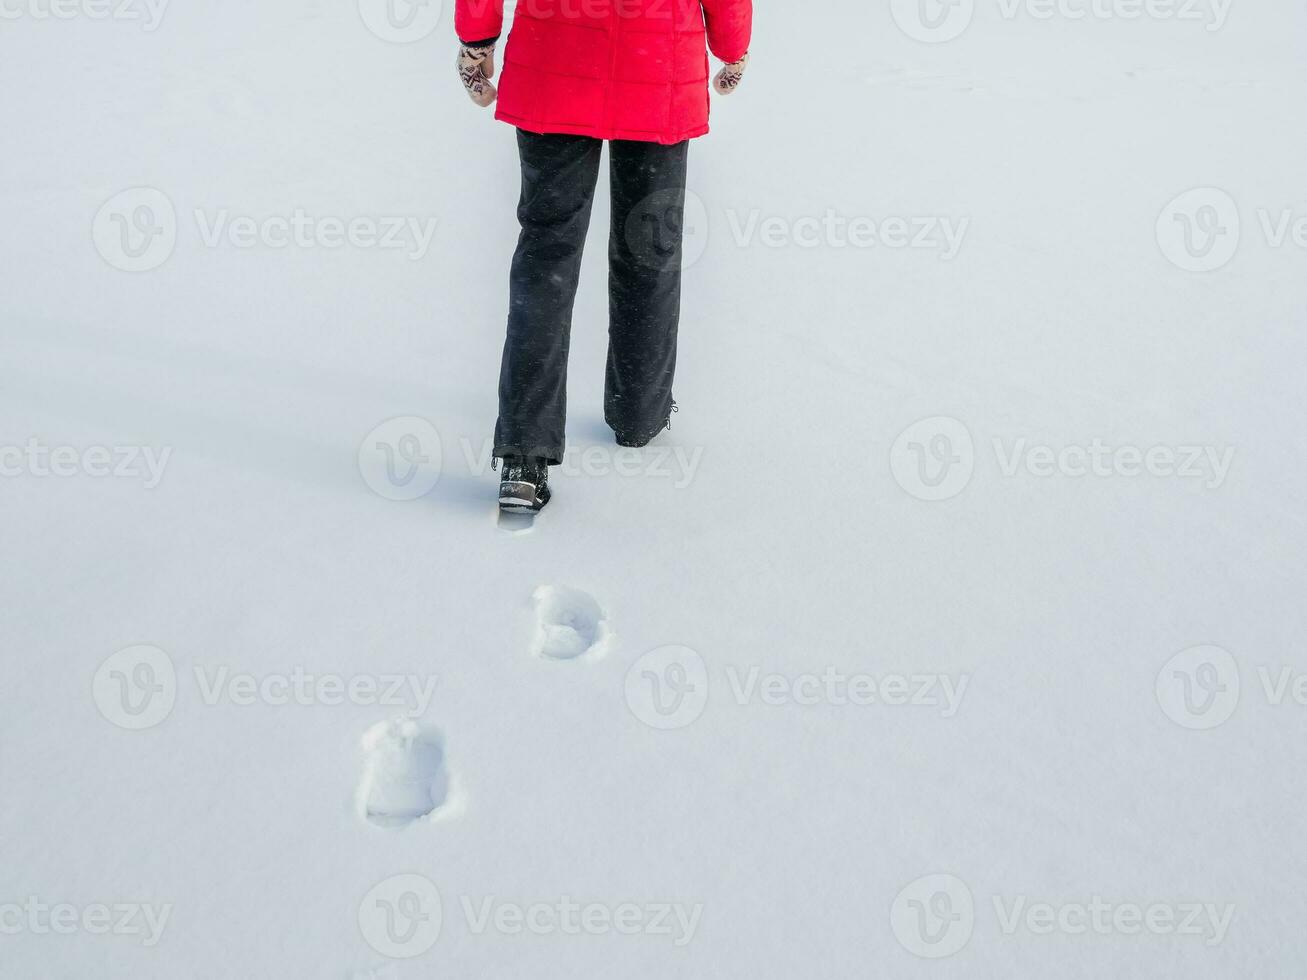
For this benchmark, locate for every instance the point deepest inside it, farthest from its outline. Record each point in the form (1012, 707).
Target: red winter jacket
(613, 69)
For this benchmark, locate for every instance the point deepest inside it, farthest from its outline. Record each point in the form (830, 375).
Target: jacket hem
(601, 132)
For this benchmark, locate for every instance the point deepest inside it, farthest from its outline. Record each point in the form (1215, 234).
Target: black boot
(524, 484)
(629, 440)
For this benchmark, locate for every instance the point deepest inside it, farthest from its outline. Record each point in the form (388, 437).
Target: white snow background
(789, 537)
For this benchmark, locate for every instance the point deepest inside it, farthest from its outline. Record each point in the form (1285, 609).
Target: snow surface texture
(887, 711)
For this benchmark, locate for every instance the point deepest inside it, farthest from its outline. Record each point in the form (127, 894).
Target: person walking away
(578, 74)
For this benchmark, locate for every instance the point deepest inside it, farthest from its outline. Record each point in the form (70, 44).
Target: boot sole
(519, 498)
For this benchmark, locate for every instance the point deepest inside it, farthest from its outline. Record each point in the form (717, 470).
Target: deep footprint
(569, 624)
(404, 774)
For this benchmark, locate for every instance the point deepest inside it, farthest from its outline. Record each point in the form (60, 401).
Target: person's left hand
(728, 79)
(476, 66)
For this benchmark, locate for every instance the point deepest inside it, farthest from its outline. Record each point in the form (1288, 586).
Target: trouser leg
(558, 181)
(644, 284)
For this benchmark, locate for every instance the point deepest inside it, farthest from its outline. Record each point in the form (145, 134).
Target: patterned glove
(476, 66)
(728, 79)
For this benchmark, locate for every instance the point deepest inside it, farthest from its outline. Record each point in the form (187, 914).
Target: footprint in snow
(404, 775)
(569, 624)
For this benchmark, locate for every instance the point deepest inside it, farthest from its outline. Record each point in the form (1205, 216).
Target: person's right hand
(728, 79)
(476, 66)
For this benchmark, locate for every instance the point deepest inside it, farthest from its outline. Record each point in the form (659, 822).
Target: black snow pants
(644, 288)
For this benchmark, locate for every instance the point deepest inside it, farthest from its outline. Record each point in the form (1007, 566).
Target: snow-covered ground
(955, 630)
